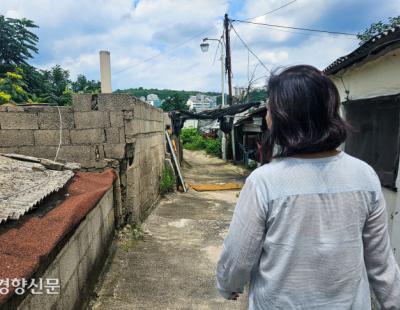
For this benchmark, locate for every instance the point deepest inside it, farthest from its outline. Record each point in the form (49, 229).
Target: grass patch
(167, 180)
(128, 235)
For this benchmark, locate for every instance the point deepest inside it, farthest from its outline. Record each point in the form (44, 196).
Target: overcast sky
(72, 33)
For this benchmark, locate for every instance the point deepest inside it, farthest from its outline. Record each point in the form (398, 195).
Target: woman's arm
(383, 271)
(242, 247)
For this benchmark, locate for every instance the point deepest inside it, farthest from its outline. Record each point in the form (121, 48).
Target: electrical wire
(219, 43)
(215, 54)
(314, 34)
(295, 28)
(248, 67)
(272, 11)
(165, 52)
(260, 77)
(60, 140)
(249, 49)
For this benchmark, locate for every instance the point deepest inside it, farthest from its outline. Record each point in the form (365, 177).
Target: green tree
(377, 28)
(12, 88)
(259, 94)
(163, 94)
(83, 85)
(21, 82)
(36, 84)
(174, 103)
(18, 43)
(57, 84)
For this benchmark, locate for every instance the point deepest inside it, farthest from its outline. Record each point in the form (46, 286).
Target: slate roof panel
(371, 47)
(23, 185)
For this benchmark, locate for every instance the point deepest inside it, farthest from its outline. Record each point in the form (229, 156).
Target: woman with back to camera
(309, 230)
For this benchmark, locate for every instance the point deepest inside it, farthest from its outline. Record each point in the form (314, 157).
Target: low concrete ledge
(65, 241)
(80, 261)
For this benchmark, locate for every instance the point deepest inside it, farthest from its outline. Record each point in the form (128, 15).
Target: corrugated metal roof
(368, 49)
(24, 184)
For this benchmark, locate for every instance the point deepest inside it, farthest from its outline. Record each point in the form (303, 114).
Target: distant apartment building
(153, 100)
(239, 92)
(201, 102)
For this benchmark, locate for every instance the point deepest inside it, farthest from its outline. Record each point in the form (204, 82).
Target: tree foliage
(12, 88)
(21, 82)
(83, 85)
(56, 83)
(18, 43)
(163, 93)
(35, 83)
(257, 94)
(377, 28)
(175, 102)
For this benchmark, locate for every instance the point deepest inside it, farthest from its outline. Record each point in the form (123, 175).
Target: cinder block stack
(115, 130)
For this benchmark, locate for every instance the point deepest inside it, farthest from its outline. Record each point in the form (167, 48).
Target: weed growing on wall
(167, 180)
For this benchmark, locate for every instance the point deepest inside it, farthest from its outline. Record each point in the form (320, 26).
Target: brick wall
(105, 130)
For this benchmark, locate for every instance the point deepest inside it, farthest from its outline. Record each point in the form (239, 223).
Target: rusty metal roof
(24, 184)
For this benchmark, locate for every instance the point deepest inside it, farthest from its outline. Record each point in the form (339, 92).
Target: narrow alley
(172, 265)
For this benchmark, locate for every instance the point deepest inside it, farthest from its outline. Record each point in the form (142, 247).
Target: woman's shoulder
(288, 176)
(344, 162)
(268, 169)
(361, 170)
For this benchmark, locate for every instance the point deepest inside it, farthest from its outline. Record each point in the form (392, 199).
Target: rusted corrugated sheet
(25, 184)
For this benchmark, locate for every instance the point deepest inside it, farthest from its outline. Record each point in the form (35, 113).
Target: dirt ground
(169, 263)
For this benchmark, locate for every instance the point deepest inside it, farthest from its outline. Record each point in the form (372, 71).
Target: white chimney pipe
(105, 72)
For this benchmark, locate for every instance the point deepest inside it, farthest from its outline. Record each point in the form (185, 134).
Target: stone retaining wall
(98, 131)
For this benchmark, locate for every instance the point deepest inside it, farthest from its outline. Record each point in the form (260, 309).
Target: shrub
(213, 147)
(187, 135)
(192, 140)
(199, 142)
(167, 180)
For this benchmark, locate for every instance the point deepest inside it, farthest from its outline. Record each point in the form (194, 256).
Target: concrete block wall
(142, 184)
(77, 264)
(98, 131)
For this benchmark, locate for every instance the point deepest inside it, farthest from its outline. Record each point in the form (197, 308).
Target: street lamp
(204, 48)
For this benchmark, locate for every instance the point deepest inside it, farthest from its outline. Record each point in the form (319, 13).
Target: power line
(295, 28)
(165, 52)
(221, 38)
(272, 11)
(310, 34)
(249, 49)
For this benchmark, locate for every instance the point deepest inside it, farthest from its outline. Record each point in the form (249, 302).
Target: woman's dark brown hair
(304, 107)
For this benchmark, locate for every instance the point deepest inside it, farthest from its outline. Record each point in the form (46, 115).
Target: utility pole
(228, 63)
(223, 140)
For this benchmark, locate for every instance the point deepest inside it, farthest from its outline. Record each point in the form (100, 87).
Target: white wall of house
(191, 123)
(369, 79)
(373, 78)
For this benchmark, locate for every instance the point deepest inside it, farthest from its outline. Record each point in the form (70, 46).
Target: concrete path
(173, 266)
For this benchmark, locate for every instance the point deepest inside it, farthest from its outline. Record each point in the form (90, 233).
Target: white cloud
(72, 33)
(301, 12)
